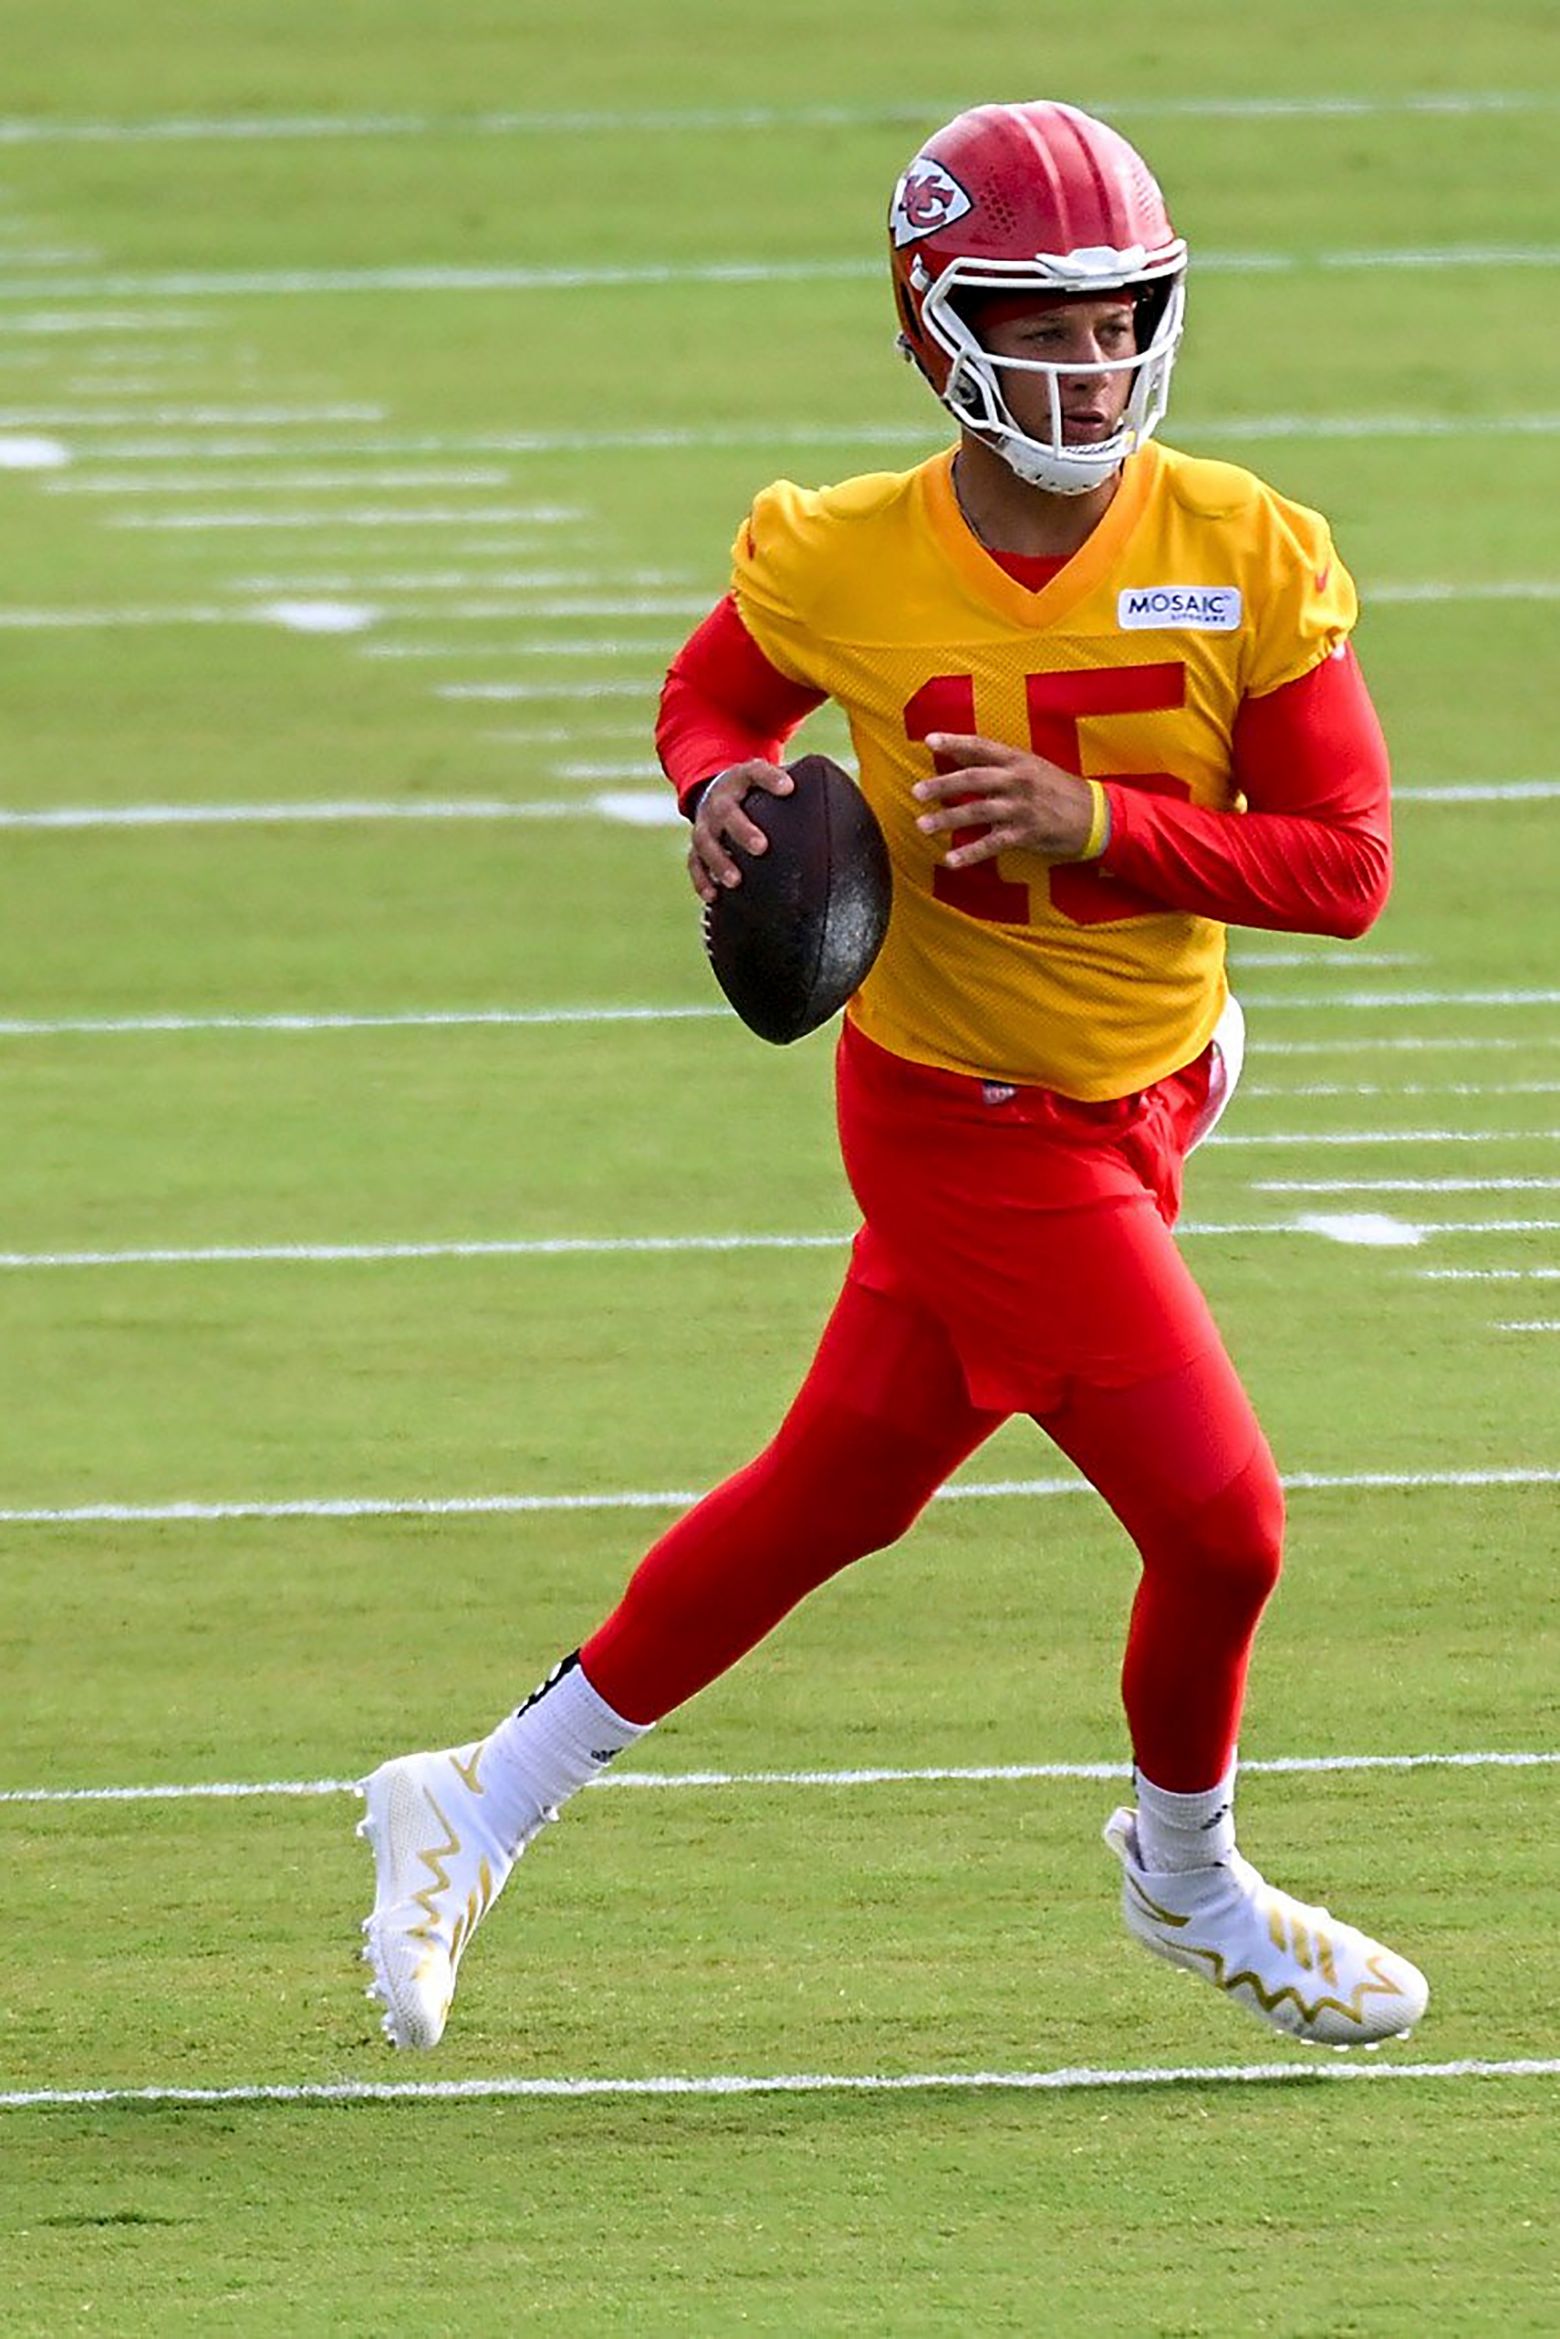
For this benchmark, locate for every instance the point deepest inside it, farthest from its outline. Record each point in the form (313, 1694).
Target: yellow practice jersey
(1199, 587)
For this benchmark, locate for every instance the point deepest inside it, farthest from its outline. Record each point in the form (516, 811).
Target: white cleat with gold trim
(438, 1869)
(1293, 1966)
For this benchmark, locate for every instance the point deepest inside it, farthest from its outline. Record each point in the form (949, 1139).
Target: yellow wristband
(1099, 825)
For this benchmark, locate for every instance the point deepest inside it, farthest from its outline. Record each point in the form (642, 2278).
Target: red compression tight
(881, 1420)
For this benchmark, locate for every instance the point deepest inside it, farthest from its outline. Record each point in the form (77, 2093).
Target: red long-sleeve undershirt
(1311, 855)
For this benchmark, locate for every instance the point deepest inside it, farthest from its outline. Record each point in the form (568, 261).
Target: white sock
(560, 1739)
(1179, 1832)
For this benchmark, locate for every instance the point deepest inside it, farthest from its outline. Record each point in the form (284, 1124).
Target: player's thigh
(887, 1384)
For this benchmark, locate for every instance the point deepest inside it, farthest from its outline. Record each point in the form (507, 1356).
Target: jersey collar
(1087, 569)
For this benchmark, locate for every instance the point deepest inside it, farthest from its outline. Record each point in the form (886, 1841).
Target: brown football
(792, 942)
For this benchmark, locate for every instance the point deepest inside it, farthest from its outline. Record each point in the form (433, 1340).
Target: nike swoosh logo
(1322, 576)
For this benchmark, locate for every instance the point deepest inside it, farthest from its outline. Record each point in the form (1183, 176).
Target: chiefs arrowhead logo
(927, 197)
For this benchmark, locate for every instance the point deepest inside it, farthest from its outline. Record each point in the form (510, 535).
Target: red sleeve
(724, 703)
(1312, 854)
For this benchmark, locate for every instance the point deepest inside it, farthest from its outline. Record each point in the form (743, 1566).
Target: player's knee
(1238, 1537)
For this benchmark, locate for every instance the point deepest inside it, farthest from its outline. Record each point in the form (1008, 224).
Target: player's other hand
(1018, 801)
(720, 820)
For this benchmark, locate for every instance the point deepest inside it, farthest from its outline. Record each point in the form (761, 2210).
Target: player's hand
(720, 820)
(1019, 800)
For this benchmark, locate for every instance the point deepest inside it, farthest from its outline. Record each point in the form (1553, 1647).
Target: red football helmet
(1036, 198)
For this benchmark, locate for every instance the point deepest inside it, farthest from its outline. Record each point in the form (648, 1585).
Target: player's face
(1066, 333)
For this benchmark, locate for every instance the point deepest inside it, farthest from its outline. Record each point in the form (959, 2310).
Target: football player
(1104, 703)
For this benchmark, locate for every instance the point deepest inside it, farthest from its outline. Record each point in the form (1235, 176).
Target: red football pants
(1093, 1326)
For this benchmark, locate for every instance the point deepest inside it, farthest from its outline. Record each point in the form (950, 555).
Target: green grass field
(472, 336)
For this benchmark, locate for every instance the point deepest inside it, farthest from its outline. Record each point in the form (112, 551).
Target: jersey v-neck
(1032, 570)
(1075, 578)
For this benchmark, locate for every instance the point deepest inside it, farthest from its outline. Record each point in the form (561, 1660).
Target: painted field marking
(1491, 589)
(1480, 792)
(663, 439)
(97, 620)
(1367, 999)
(925, 436)
(340, 617)
(205, 417)
(504, 693)
(549, 609)
(624, 768)
(1224, 1141)
(544, 1018)
(729, 2084)
(679, 121)
(521, 277)
(413, 1019)
(562, 734)
(370, 516)
(1405, 1185)
(1489, 1274)
(1270, 1091)
(1544, 1324)
(144, 816)
(318, 1254)
(1314, 955)
(679, 1498)
(1372, 1230)
(538, 606)
(277, 482)
(1416, 1043)
(377, 584)
(944, 1774)
(53, 325)
(645, 688)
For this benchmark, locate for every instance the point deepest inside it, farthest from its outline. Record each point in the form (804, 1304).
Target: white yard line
(57, 325)
(1436, 1043)
(1489, 1274)
(1401, 1233)
(537, 601)
(1275, 1001)
(375, 584)
(128, 1514)
(1480, 792)
(93, 620)
(646, 687)
(1313, 955)
(1546, 1324)
(967, 1774)
(1457, 589)
(559, 605)
(1271, 1092)
(320, 1254)
(275, 482)
(493, 653)
(366, 516)
(410, 1019)
(521, 277)
(725, 2085)
(683, 121)
(1405, 1185)
(499, 693)
(678, 439)
(28, 1027)
(1223, 1140)
(206, 417)
(143, 816)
